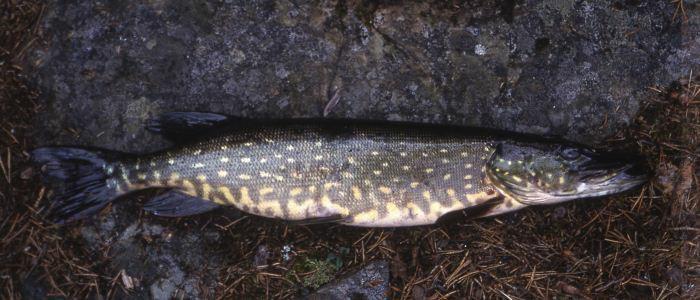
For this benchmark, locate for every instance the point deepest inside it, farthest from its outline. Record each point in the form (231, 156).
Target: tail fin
(79, 178)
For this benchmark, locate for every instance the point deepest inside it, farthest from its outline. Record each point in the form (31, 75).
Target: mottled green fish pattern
(353, 172)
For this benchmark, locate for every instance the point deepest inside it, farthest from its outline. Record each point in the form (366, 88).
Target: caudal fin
(79, 178)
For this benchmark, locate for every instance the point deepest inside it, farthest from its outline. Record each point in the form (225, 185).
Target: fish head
(551, 173)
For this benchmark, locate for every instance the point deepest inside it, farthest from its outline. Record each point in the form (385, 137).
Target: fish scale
(376, 178)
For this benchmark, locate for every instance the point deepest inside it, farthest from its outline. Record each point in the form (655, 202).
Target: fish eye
(570, 154)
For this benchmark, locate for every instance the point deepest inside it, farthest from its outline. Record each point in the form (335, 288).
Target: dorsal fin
(185, 125)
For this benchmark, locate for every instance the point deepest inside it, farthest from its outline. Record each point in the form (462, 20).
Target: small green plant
(316, 272)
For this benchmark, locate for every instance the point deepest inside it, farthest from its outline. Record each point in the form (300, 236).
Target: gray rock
(573, 68)
(167, 263)
(370, 283)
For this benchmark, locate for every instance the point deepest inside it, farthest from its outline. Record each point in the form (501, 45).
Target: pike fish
(359, 173)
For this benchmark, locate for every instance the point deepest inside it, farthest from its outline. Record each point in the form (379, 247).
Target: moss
(315, 272)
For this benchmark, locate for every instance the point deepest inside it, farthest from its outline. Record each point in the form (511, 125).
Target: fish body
(355, 173)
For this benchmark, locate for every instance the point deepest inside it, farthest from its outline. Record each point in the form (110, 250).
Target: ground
(607, 73)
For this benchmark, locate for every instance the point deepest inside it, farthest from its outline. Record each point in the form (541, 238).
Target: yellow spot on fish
(346, 174)
(174, 176)
(517, 179)
(424, 154)
(318, 157)
(153, 163)
(227, 194)
(142, 176)
(403, 154)
(312, 189)
(189, 188)
(198, 165)
(445, 161)
(468, 186)
(366, 217)
(351, 159)
(279, 178)
(385, 165)
(277, 155)
(429, 170)
(329, 205)
(426, 195)
(393, 212)
(222, 173)
(290, 160)
(244, 176)
(224, 159)
(156, 175)
(202, 177)
(385, 190)
(468, 166)
(290, 147)
(263, 160)
(356, 193)
(245, 198)
(451, 193)
(406, 168)
(224, 147)
(416, 211)
(197, 152)
(330, 185)
(465, 154)
(170, 161)
(377, 172)
(443, 150)
(467, 177)
(298, 211)
(561, 180)
(248, 144)
(264, 174)
(245, 159)
(206, 193)
(375, 153)
(447, 176)
(435, 207)
(295, 191)
(414, 184)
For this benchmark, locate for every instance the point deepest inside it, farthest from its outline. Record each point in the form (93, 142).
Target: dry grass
(639, 245)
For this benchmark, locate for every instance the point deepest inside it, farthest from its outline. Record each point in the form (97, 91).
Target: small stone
(261, 256)
(558, 213)
(27, 173)
(370, 282)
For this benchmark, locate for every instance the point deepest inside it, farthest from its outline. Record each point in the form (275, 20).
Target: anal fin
(176, 204)
(320, 220)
